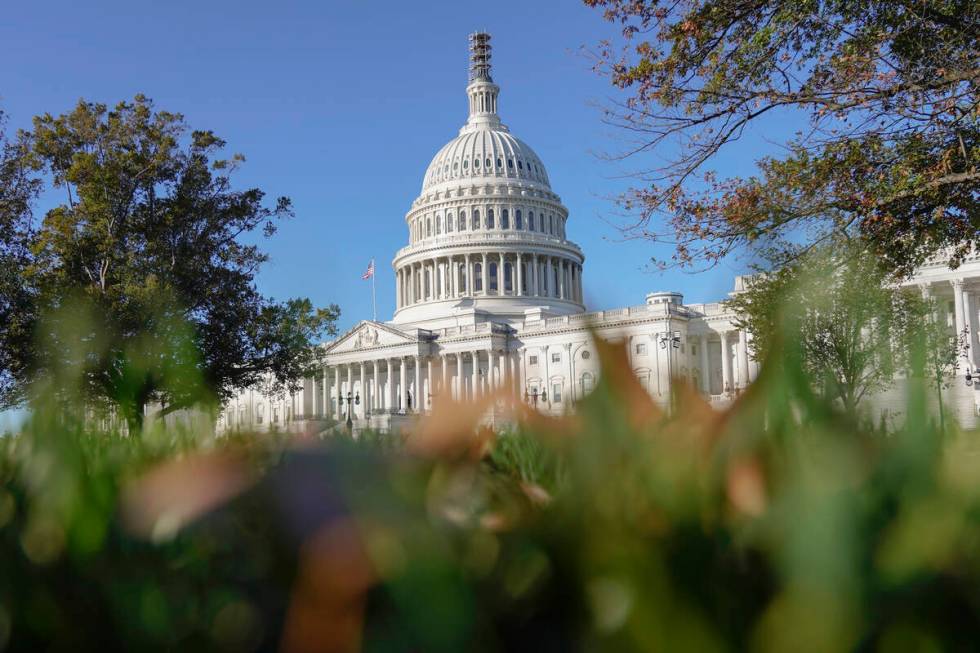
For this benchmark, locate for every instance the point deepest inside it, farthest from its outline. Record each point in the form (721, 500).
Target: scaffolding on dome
(480, 56)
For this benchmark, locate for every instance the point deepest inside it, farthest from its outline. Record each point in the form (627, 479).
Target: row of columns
(744, 370)
(450, 277)
(965, 317)
(489, 370)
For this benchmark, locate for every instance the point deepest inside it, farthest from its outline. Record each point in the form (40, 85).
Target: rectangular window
(694, 350)
(532, 360)
(641, 349)
(555, 357)
(556, 393)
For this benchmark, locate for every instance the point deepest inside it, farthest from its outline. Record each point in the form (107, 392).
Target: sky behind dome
(341, 106)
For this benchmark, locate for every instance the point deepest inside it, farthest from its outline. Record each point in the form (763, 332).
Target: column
(520, 275)
(483, 272)
(969, 316)
(475, 375)
(398, 289)
(390, 387)
(325, 392)
(469, 275)
(442, 381)
(375, 387)
(959, 313)
(705, 369)
(403, 390)
(458, 379)
(505, 373)
(364, 396)
(417, 400)
(743, 359)
(492, 369)
(726, 365)
(561, 279)
(428, 380)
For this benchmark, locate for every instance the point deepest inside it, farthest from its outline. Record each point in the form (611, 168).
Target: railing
(484, 237)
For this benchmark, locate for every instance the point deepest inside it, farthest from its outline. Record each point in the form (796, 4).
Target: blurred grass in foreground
(780, 524)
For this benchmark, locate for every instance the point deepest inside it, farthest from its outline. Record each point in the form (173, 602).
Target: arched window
(461, 277)
(476, 219)
(450, 223)
(500, 163)
(425, 290)
(518, 220)
(505, 219)
(428, 227)
(438, 224)
(551, 224)
(462, 220)
(489, 218)
(489, 163)
(492, 281)
(508, 277)
(476, 163)
(510, 163)
(466, 164)
(455, 165)
(588, 382)
(520, 165)
(530, 220)
(477, 277)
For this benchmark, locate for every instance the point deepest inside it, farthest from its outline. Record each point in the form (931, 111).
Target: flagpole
(374, 301)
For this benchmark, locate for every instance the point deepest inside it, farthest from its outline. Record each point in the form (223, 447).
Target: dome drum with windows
(487, 234)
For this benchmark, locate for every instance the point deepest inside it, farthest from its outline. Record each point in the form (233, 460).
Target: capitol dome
(485, 154)
(487, 233)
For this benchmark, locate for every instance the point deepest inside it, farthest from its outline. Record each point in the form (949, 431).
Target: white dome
(485, 154)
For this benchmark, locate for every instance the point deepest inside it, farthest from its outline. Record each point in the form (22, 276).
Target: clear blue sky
(340, 106)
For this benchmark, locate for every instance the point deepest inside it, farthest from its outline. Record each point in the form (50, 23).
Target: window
(518, 220)
(275, 415)
(489, 218)
(466, 164)
(489, 163)
(641, 349)
(530, 220)
(476, 219)
(477, 277)
(499, 163)
(520, 166)
(532, 360)
(551, 224)
(259, 413)
(476, 163)
(428, 226)
(455, 165)
(461, 277)
(505, 219)
(510, 163)
(438, 224)
(492, 281)
(462, 220)
(694, 350)
(586, 354)
(508, 277)
(588, 382)
(449, 222)
(556, 393)
(555, 357)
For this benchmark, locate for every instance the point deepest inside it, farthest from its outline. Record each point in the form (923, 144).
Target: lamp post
(352, 400)
(531, 396)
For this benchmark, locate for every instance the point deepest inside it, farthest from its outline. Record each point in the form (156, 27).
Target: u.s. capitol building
(489, 295)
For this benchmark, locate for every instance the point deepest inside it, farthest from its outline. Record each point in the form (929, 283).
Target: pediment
(370, 335)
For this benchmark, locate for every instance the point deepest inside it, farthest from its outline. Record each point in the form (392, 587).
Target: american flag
(370, 271)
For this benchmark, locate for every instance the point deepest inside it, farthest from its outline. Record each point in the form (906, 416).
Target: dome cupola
(487, 231)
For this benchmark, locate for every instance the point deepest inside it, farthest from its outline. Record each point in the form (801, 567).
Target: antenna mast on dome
(480, 49)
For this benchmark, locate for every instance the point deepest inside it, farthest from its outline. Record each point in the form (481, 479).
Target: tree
(890, 137)
(853, 329)
(935, 353)
(148, 243)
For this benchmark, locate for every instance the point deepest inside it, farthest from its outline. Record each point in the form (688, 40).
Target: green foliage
(779, 524)
(856, 331)
(886, 97)
(148, 246)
